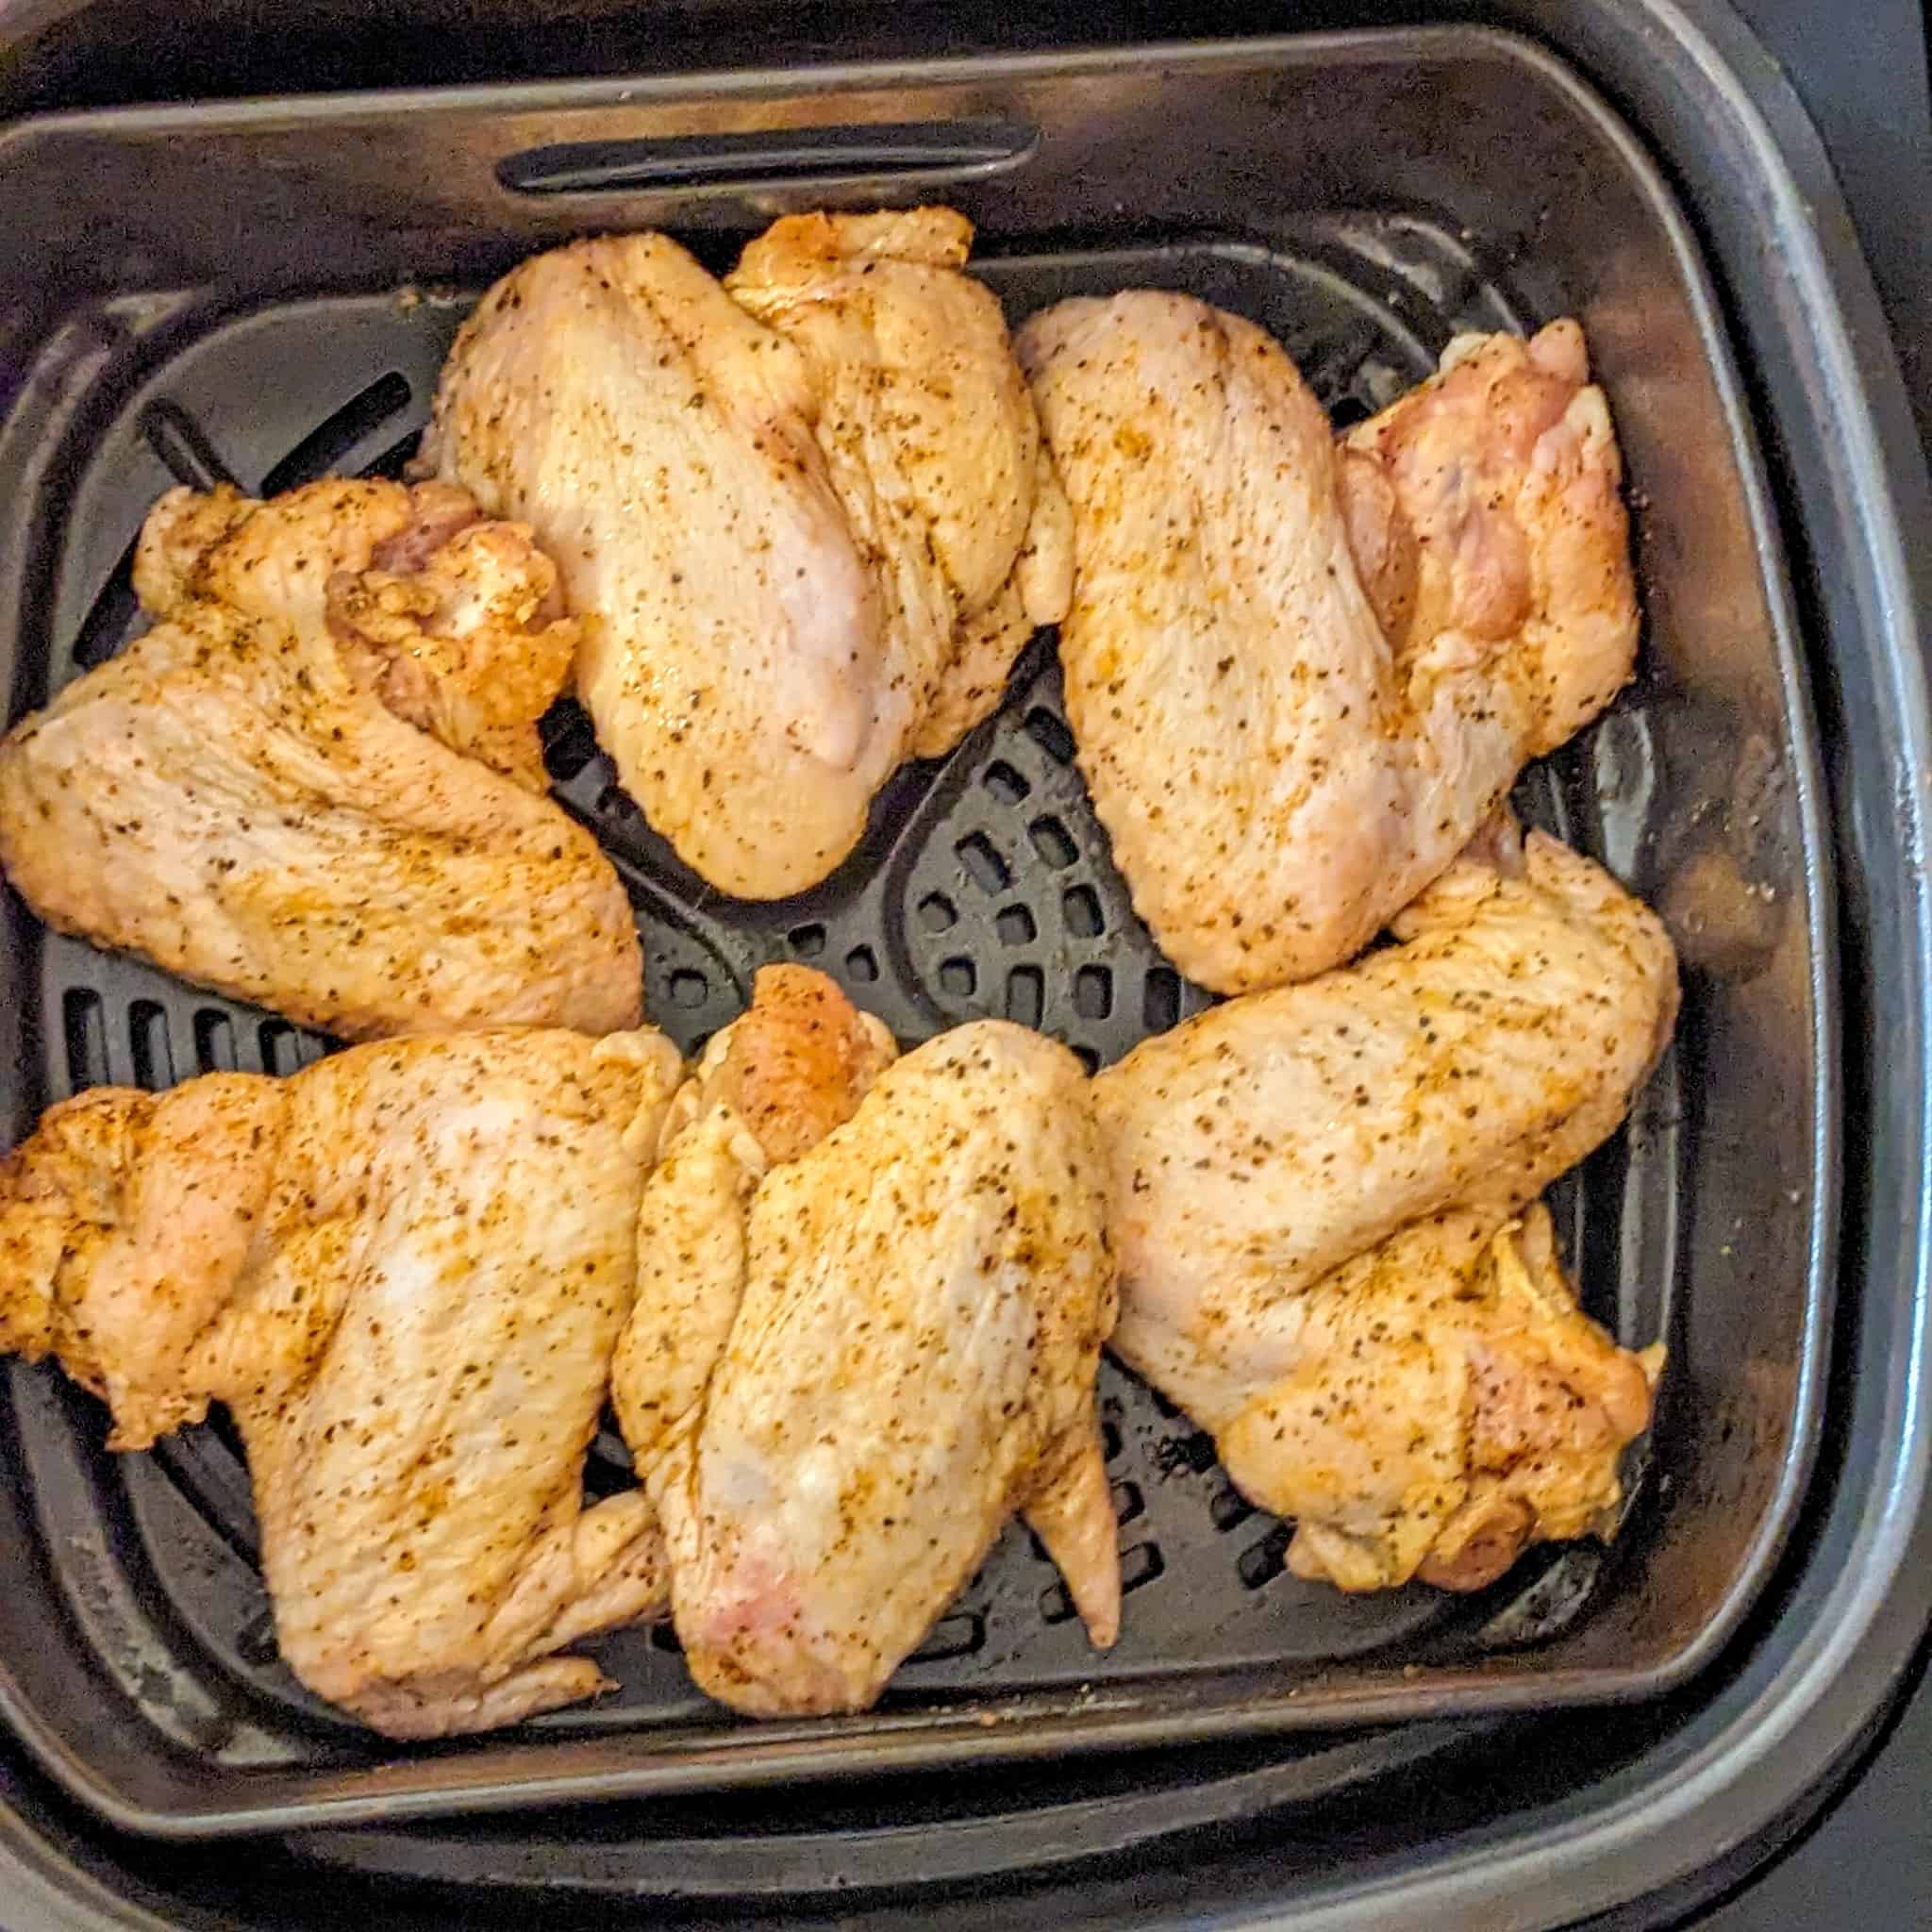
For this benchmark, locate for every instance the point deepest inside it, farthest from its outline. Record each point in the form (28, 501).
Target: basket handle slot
(711, 164)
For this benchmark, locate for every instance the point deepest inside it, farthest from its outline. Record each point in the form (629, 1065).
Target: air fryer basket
(267, 295)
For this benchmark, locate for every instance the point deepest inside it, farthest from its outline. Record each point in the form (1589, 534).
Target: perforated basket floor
(983, 887)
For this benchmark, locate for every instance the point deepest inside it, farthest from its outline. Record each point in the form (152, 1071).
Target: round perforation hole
(1140, 1566)
(1227, 1509)
(1260, 1563)
(1094, 992)
(1051, 735)
(1160, 998)
(148, 1041)
(1054, 842)
(1056, 1604)
(1003, 783)
(984, 863)
(1015, 925)
(1025, 994)
(214, 1043)
(960, 1635)
(1195, 1451)
(1080, 909)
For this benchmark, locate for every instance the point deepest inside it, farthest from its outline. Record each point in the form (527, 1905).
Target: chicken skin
(316, 782)
(931, 440)
(403, 1271)
(1332, 1254)
(797, 527)
(1300, 677)
(872, 1300)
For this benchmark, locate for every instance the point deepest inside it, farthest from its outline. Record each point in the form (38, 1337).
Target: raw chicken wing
(871, 1307)
(801, 552)
(317, 783)
(658, 439)
(931, 441)
(1300, 678)
(1324, 1201)
(404, 1269)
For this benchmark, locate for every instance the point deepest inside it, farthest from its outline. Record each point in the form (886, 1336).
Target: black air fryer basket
(265, 293)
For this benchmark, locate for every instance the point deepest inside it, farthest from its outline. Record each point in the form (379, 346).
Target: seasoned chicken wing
(931, 441)
(1300, 678)
(801, 552)
(403, 1271)
(658, 439)
(1324, 1202)
(316, 783)
(872, 1302)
